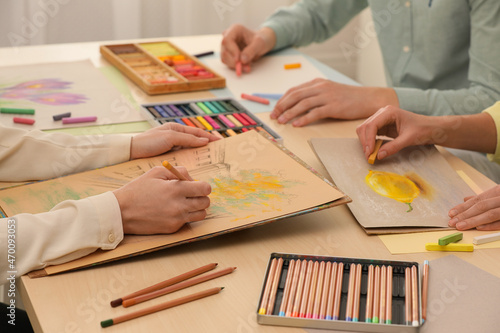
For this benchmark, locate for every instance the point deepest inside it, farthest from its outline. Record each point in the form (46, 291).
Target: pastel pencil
(305, 291)
(288, 285)
(376, 295)
(425, 289)
(408, 313)
(350, 292)
(166, 283)
(357, 294)
(326, 289)
(331, 292)
(369, 294)
(300, 288)
(414, 295)
(162, 306)
(312, 290)
(319, 291)
(338, 291)
(172, 169)
(293, 289)
(388, 314)
(383, 296)
(178, 286)
(267, 288)
(274, 288)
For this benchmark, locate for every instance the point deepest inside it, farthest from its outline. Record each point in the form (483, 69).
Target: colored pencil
(369, 294)
(165, 283)
(373, 155)
(172, 169)
(414, 295)
(300, 288)
(305, 291)
(408, 316)
(267, 288)
(388, 315)
(288, 286)
(274, 288)
(350, 292)
(293, 288)
(312, 290)
(383, 295)
(331, 292)
(326, 289)
(178, 286)
(338, 291)
(319, 291)
(425, 289)
(376, 295)
(162, 306)
(357, 293)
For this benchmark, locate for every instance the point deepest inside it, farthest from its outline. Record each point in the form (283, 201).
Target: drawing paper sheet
(277, 79)
(253, 181)
(56, 88)
(440, 186)
(415, 242)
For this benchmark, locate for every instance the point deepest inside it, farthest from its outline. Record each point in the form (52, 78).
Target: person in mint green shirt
(479, 132)
(441, 57)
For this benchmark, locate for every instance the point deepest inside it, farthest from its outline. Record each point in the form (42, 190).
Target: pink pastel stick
(211, 122)
(255, 99)
(75, 120)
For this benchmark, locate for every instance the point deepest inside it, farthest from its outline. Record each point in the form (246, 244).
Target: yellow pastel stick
(205, 123)
(457, 247)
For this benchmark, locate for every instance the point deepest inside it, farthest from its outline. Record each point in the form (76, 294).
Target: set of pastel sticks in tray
(161, 67)
(340, 293)
(224, 117)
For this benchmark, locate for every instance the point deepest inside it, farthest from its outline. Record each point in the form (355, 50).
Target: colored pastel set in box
(161, 67)
(350, 294)
(220, 116)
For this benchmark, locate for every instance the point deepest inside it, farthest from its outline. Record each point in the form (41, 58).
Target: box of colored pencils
(350, 294)
(161, 67)
(224, 117)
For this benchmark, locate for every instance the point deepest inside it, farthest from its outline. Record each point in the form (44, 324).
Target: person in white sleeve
(154, 203)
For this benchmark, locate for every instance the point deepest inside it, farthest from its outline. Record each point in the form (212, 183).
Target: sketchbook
(407, 192)
(254, 181)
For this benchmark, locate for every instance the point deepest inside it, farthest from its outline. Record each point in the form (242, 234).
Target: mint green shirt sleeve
(309, 21)
(494, 112)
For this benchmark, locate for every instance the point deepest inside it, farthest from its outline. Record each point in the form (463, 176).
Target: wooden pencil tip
(116, 302)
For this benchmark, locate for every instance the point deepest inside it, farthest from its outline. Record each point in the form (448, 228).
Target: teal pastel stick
(453, 238)
(219, 106)
(211, 107)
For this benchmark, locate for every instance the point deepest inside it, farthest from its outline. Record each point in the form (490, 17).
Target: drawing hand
(407, 129)
(245, 45)
(161, 139)
(320, 98)
(481, 212)
(156, 204)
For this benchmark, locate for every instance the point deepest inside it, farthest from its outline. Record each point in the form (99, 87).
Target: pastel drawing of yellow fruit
(394, 186)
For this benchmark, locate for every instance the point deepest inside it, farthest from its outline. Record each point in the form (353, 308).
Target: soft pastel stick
(331, 292)
(204, 54)
(453, 238)
(205, 109)
(255, 99)
(204, 123)
(188, 122)
(179, 121)
(230, 132)
(486, 238)
(196, 109)
(241, 119)
(292, 66)
(161, 111)
(211, 122)
(79, 120)
(216, 133)
(17, 111)
(169, 111)
(198, 124)
(288, 286)
(27, 121)
(244, 129)
(450, 247)
(219, 106)
(239, 68)
(267, 288)
(248, 118)
(177, 111)
(229, 106)
(268, 96)
(212, 107)
(61, 116)
(151, 109)
(234, 120)
(226, 121)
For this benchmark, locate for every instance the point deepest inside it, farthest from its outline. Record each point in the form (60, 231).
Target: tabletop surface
(78, 301)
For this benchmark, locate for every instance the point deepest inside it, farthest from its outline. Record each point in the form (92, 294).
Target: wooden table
(78, 301)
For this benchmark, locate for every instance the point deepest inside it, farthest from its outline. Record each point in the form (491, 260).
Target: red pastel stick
(27, 121)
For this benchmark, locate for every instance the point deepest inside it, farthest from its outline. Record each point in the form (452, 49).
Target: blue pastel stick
(268, 96)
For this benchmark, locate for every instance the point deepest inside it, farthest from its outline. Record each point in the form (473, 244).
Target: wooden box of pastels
(161, 68)
(222, 116)
(346, 294)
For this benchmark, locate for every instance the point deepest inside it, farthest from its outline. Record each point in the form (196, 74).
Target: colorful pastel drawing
(394, 186)
(43, 91)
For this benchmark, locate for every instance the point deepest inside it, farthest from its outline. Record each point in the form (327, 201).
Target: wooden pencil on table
(274, 288)
(369, 294)
(326, 289)
(331, 292)
(162, 306)
(388, 315)
(293, 289)
(177, 286)
(267, 288)
(319, 291)
(288, 287)
(165, 283)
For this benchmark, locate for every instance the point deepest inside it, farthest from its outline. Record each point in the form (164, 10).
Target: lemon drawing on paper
(394, 186)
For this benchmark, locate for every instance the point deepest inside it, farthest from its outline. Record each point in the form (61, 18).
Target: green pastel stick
(17, 111)
(453, 238)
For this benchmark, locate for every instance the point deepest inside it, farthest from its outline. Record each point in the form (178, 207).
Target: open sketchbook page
(253, 181)
(414, 188)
